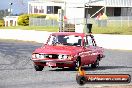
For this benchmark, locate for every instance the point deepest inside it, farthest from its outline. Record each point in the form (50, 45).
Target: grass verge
(38, 28)
(112, 30)
(124, 30)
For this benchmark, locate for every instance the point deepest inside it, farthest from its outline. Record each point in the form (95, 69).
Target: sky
(18, 6)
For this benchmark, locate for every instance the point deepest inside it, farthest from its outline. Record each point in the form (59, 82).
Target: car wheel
(96, 64)
(77, 64)
(38, 68)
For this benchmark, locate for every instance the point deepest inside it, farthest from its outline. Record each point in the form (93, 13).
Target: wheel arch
(78, 58)
(98, 57)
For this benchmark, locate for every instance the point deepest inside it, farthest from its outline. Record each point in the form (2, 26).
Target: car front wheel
(77, 64)
(38, 67)
(96, 64)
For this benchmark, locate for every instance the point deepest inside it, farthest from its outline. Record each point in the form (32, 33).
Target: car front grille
(51, 56)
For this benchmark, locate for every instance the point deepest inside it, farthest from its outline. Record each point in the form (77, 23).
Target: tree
(23, 20)
(4, 13)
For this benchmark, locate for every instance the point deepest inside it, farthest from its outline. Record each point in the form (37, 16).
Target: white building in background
(78, 8)
(43, 7)
(52, 6)
(11, 20)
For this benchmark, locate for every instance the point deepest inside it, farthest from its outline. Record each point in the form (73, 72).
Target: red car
(68, 49)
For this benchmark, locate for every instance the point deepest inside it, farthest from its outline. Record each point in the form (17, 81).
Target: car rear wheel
(96, 64)
(38, 67)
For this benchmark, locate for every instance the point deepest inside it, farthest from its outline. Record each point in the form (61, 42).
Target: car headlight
(37, 55)
(62, 57)
(65, 56)
(41, 56)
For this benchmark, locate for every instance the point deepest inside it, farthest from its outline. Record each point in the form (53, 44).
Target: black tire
(77, 64)
(96, 64)
(38, 68)
(129, 79)
(81, 80)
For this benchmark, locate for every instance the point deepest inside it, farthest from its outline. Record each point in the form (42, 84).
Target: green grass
(109, 29)
(112, 30)
(38, 28)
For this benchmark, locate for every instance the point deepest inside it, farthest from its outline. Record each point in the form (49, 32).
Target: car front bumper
(53, 60)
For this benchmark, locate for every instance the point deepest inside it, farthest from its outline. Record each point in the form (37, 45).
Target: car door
(92, 47)
(87, 52)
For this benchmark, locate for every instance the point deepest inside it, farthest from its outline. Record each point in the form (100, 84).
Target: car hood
(47, 49)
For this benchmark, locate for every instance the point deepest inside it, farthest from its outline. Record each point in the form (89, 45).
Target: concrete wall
(122, 42)
(73, 11)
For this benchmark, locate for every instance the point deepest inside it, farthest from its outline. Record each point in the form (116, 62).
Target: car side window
(90, 41)
(85, 42)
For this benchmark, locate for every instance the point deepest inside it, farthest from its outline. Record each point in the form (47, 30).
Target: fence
(42, 22)
(114, 22)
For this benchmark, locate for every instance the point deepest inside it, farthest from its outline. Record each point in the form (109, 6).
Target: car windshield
(70, 40)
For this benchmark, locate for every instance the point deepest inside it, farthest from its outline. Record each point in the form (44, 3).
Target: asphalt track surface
(16, 69)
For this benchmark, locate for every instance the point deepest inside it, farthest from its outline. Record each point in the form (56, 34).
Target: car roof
(69, 33)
